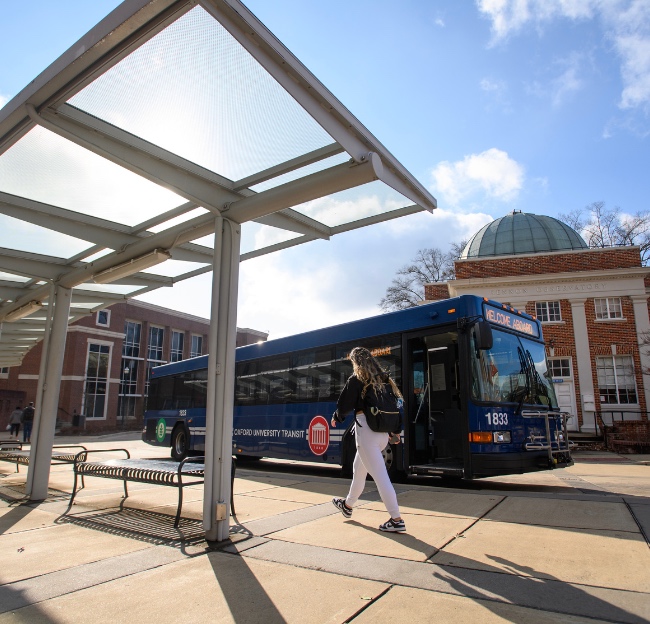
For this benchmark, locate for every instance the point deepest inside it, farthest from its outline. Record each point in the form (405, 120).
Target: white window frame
(171, 345)
(547, 311)
(557, 359)
(614, 372)
(193, 353)
(609, 303)
(162, 344)
(125, 343)
(108, 318)
(101, 343)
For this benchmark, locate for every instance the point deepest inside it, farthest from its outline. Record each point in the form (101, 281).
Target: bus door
(434, 411)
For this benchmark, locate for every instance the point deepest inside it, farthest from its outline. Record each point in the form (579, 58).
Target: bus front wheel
(180, 443)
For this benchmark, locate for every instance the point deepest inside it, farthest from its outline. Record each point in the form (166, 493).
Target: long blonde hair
(368, 370)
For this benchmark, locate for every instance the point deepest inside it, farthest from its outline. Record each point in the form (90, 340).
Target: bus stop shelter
(175, 138)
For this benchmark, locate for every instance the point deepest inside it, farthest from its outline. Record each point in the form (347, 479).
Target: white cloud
(491, 85)
(510, 16)
(491, 173)
(625, 22)
(627, 25)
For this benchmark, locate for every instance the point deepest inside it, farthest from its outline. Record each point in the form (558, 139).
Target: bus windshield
(512, 371)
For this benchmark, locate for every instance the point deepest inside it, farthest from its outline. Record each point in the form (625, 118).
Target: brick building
(592, 302)
(107, 363)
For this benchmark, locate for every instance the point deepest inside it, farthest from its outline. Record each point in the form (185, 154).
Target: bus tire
(180, 443)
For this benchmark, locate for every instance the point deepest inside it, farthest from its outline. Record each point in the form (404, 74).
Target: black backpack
(383, 409)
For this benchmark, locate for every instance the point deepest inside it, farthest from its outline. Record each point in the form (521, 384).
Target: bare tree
(609, 227)
(428, 266)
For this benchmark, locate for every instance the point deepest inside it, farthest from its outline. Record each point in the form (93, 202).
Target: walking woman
(370, 444)
(15, 419)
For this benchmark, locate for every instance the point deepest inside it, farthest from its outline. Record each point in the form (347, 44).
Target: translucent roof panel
(195, 91)
(24, 236)
(47, 168)
(367, 200)
(255, 236)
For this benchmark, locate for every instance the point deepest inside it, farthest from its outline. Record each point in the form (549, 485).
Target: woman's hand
(333, 422)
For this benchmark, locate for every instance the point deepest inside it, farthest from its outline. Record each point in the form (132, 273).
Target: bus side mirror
(483, 335)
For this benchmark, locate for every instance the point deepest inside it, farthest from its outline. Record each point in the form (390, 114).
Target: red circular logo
(319, 435)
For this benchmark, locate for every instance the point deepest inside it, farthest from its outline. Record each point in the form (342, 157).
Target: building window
(197, 346)
(103, 318)
(608, 308)
(616, 381)
(126, 407)
(176, 351)
(96, 386)
(4, 370)
(559, 367)
(129, 376)
(548, 311)
(155, 347)
(154, 353)
(131, 345)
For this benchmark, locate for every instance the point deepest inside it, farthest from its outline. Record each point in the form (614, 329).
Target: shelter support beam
(47, 402)
(221, 380)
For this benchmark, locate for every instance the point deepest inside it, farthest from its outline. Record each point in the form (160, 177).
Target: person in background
(15, 418)
(28, 421)
(367, 370)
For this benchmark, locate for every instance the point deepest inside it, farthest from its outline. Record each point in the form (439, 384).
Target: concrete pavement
(565, 546)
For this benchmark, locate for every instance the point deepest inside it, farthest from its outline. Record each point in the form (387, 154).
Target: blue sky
(494, 105)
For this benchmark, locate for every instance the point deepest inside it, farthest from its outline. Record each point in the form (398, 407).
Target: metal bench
(190, 471)
(13, 452)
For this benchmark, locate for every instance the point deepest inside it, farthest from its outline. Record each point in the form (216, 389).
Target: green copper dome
(520, 233)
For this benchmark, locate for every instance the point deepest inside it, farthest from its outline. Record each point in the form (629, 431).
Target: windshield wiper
(525, 370)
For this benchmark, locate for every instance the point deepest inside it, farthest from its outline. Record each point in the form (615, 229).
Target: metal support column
(40, 456)
(42, 373)
(221, 380)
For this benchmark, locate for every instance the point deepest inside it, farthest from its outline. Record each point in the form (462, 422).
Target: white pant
(369, 459)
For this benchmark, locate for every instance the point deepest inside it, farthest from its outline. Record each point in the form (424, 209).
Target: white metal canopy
(173, 134)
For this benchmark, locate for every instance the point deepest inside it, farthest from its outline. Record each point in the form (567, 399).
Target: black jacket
(28, 414)
(349, 399)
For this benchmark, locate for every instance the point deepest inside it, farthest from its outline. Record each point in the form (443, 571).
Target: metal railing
(609, 418)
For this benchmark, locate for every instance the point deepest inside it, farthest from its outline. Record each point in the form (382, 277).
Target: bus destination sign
(511, 321)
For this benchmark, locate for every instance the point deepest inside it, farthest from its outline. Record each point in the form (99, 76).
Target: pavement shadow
(525, 587)
(140, 524)
(405, 539)
(17, 512)
(247, 599)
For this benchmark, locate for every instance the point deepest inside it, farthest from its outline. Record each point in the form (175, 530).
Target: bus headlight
(501, 437)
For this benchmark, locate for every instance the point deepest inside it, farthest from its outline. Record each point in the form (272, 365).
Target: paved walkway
(566, 546)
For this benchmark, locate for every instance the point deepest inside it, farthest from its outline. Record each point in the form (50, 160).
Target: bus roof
(411, 319)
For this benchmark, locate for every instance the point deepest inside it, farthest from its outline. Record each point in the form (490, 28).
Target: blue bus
(478, 397)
